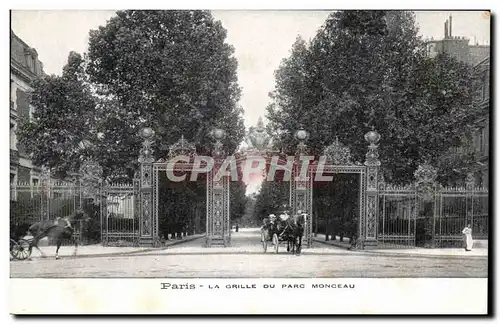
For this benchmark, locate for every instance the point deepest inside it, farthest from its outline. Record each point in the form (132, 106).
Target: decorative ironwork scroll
(425, 180)
(470, 181)
(90, 179)
(338, 154)
(257, 138)
(182, 147)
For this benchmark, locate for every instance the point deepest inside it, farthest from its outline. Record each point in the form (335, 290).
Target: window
(13, 138)
(34, 190)
(13, 194)
(481, 140)
(431, 50)
(32, 110)
(12, 94)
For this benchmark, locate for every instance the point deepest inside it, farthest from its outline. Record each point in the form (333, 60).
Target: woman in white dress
(467, 231)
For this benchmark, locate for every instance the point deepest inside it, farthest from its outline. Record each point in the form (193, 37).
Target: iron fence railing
(397, 223)
(408, 219)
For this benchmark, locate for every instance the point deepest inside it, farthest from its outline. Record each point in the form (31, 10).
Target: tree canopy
(63, 119)
(368, 69)
(170, 70)
(166, 69)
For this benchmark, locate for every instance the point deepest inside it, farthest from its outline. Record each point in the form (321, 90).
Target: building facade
(481, 136)
(458, 47)
(477, 56)
(24, 68)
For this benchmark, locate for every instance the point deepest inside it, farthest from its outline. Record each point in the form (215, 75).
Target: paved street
(246, 259)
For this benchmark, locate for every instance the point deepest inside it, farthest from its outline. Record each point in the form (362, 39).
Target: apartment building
(24, 67)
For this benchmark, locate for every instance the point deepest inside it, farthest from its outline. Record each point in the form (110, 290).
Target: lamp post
(302, 136)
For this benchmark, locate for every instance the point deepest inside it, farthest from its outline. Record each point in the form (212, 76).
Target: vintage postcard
(280, 161)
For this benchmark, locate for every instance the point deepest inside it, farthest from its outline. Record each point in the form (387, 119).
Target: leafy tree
(63, 118)
(248, 219)
(368, 68)
(271, 199)
(171, 70)
(238, 200)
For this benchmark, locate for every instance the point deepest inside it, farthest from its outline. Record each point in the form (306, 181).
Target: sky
(261, 40)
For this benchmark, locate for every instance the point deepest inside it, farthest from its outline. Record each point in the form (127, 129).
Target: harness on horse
(284, 230)
(68, 224)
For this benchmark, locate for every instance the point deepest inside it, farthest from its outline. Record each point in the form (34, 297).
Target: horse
(58, 229)
(294, 230)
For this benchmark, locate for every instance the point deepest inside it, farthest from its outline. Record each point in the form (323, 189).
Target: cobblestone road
(246, 259)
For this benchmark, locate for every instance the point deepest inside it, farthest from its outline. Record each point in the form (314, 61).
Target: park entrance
(423, 213)
(302, 176)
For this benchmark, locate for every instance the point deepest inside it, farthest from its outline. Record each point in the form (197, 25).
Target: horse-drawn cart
(268, 237)
(275, 230)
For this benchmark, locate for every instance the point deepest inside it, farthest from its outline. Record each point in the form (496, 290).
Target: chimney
(450, 26)
(446, 29)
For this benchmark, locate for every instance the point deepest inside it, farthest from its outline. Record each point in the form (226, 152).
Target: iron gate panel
(480, 215)
(450, 219)
(120, 218)
(397, 220)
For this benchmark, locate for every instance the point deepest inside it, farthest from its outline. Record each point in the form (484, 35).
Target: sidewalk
(99, 250)
(480, 251)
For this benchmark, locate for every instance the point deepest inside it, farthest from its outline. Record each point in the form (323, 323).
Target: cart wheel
(14, 246)
(276, 242)
(22, 251)
(264, 242)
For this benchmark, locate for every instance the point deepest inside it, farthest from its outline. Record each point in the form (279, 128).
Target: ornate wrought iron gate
(389, 216)
(119, 214)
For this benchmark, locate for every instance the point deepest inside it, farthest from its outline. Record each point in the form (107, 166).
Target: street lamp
(302, 135)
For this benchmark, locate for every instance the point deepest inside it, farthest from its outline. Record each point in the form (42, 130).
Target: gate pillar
(369, 217)
(45, 183)
(469, 206)
(301, 186)
(218, 197)
(148, 228)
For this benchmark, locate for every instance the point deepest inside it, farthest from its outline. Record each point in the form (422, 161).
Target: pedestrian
(237, 227)
(467, 231)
